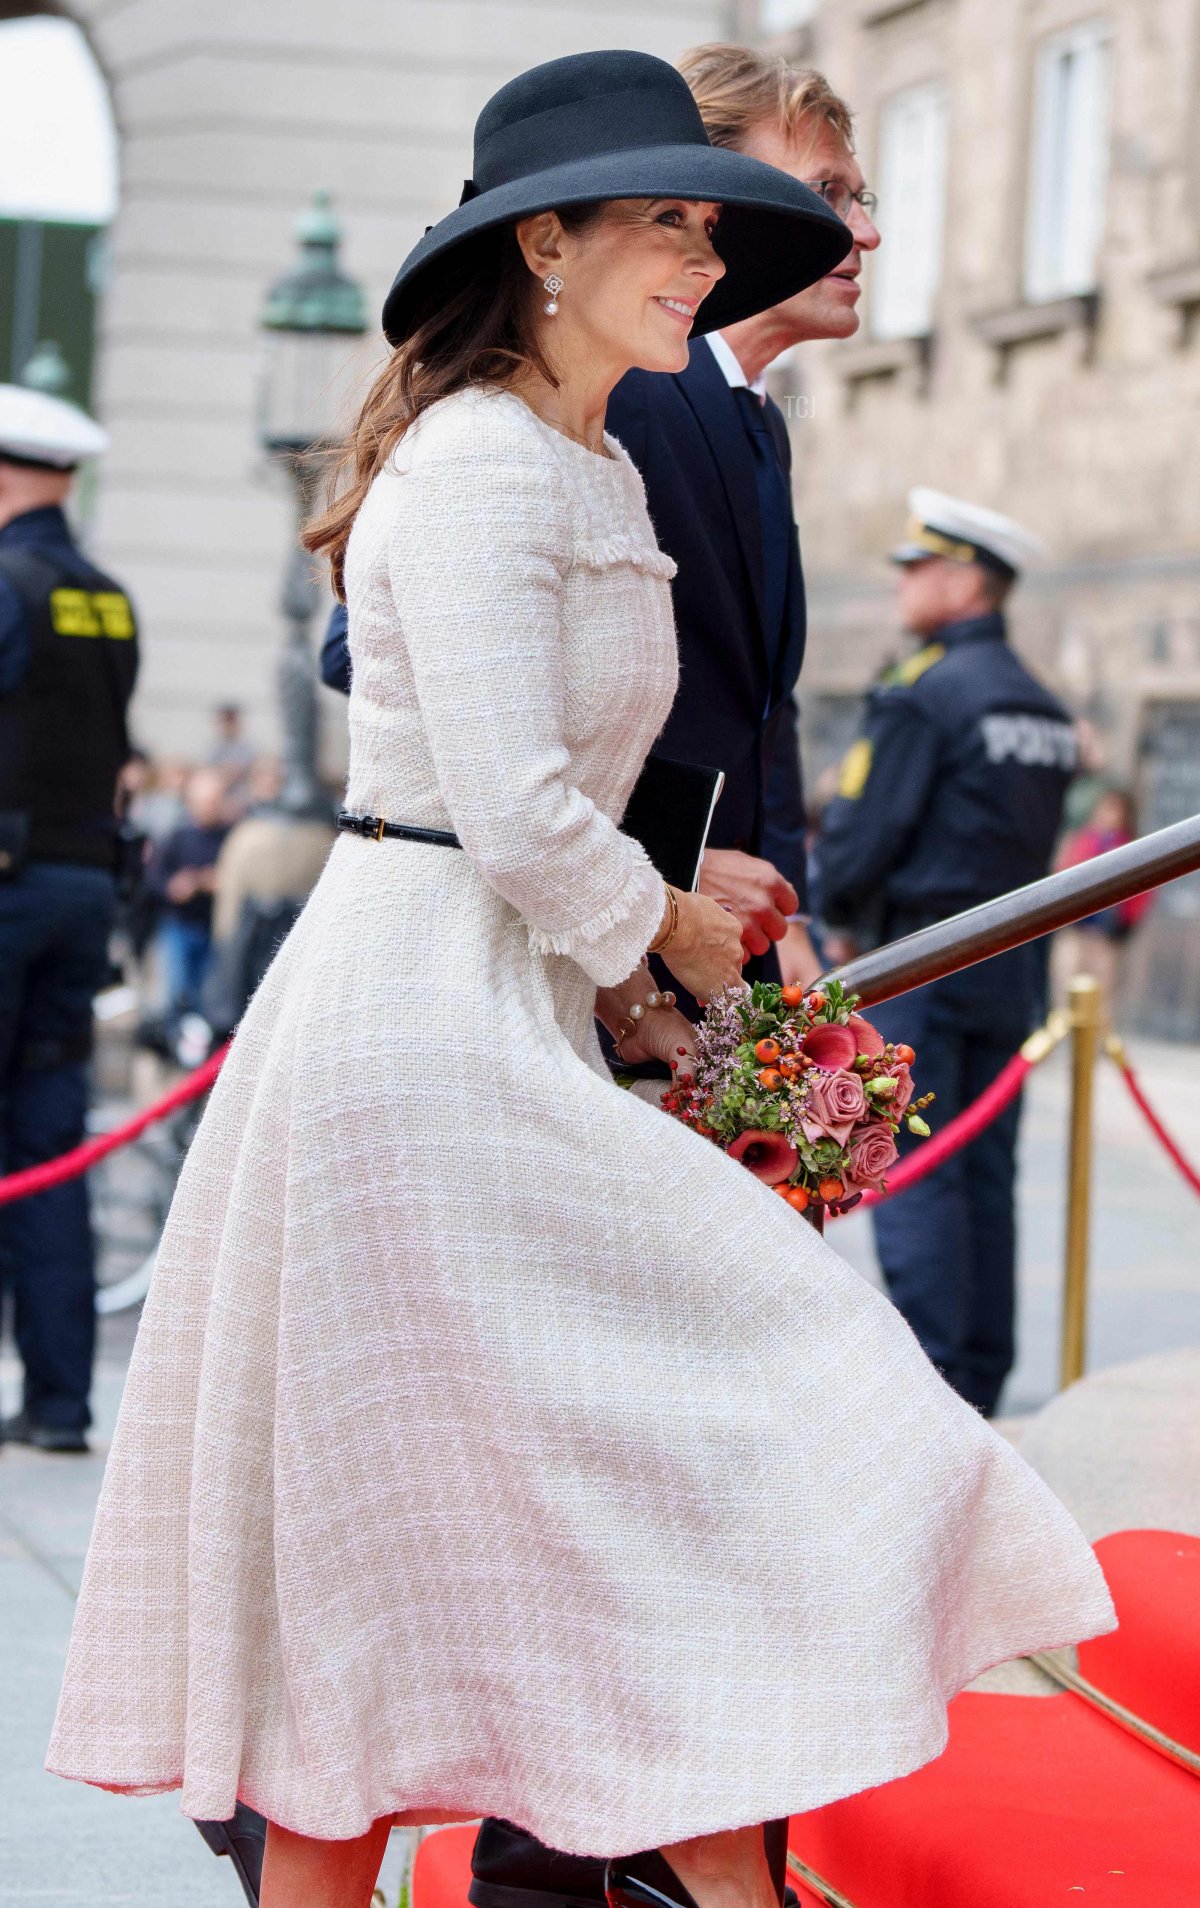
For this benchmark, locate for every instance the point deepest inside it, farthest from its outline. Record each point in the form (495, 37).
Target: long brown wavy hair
(474, 325)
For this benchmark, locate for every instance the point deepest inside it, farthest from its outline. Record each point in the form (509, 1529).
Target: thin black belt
(375, 828)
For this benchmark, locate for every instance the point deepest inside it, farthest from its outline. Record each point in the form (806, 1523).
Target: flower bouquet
(802, 1090)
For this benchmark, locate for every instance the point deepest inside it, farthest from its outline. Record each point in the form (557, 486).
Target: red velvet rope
(1152, 1120)
(36, 1179)
(957, 1132)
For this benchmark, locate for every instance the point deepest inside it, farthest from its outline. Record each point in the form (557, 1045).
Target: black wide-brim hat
(598, 126)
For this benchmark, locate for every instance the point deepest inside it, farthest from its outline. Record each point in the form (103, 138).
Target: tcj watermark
(797, 404)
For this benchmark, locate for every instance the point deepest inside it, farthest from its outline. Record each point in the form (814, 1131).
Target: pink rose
(900, 1072)
(768, 1156)
(872, 1154)
(870, 1040)
(833, 1103)
(830, 1046)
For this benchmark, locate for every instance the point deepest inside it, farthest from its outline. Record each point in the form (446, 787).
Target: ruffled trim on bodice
(625, 549)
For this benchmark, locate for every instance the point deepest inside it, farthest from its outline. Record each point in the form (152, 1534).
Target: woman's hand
(706, 952)
(664, 1034)
(661, 1033)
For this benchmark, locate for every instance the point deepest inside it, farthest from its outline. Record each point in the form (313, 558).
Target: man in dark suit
(715, 455)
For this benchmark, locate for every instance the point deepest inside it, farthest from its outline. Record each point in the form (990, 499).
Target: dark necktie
(775, 516)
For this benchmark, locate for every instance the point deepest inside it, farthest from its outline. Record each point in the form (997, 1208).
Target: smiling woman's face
(634, 279)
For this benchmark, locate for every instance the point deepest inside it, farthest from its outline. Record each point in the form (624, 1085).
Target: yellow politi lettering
(112, 607)
(91, 613)
(72, 614)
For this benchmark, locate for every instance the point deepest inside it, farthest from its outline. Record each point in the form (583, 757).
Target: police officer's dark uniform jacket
(954, 792)
(63, 738)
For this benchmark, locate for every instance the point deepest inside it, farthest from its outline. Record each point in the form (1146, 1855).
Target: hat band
(955, 549)
(38, 463)
(616, 122)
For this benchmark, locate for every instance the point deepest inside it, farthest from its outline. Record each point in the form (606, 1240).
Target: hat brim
(775, 235)
(908, 553)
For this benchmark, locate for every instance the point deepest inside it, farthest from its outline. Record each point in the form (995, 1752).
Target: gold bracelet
(664, 941)
(624, 1028)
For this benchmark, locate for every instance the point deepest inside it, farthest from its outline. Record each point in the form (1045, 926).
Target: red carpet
(1152, 1663)
(1041, 1800)
(1038, 1801)
(442, 1869)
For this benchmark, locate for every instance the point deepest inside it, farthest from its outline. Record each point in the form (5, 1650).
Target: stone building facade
(1032, 343)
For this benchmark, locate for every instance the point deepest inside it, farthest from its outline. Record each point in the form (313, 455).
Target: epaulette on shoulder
(903, 675)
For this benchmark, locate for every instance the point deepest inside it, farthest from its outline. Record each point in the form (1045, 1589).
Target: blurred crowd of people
(215, 876)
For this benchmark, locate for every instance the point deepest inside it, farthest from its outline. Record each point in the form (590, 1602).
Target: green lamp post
(47, 370)
(310, 317)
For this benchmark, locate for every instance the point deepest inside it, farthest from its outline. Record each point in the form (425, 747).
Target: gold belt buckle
(380, 825)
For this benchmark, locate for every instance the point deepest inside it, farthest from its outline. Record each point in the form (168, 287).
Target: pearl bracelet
(628, 1023)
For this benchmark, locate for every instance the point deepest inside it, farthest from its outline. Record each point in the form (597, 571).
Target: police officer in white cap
(952, 795)
(68, 659)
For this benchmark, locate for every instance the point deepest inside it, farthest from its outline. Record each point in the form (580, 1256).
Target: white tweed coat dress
(491, 1443)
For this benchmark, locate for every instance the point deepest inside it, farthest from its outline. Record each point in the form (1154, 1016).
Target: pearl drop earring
(553, 284)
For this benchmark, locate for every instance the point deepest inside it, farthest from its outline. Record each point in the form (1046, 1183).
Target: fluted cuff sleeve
(479, 551)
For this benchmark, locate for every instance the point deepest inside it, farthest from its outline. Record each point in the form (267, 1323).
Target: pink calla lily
(831, 1046)
(870, 1041)
(768, 1156)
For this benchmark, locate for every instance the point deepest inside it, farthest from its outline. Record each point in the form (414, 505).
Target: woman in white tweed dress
(492, 1445)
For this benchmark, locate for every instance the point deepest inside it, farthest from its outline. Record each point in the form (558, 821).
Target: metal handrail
(1012, 919)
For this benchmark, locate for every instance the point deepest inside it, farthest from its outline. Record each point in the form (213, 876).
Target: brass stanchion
(1086, 1013)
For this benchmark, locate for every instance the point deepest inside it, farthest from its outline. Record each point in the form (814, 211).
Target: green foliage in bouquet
(802, 1090)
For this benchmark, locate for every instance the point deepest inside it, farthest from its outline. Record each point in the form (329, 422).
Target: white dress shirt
(735, 377)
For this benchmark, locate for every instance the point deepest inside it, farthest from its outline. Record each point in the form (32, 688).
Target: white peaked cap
(944, 526)
(46, 430)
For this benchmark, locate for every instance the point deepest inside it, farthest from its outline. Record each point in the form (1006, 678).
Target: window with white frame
(1068, 173)
(912, 196)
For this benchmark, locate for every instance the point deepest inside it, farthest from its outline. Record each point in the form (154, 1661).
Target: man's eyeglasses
(839, 198)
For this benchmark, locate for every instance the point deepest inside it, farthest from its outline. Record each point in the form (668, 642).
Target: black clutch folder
(670, 812)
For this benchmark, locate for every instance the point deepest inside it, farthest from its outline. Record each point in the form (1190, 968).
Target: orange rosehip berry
(767, 1051)
(906, 1054)
(831, 1189)
(797, 1198)
(790, 1066)
(792, 995)
(815, 1003)
(770, 1078)
(783, 1189)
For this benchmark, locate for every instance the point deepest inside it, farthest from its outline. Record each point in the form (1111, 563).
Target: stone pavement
(64, 1844)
